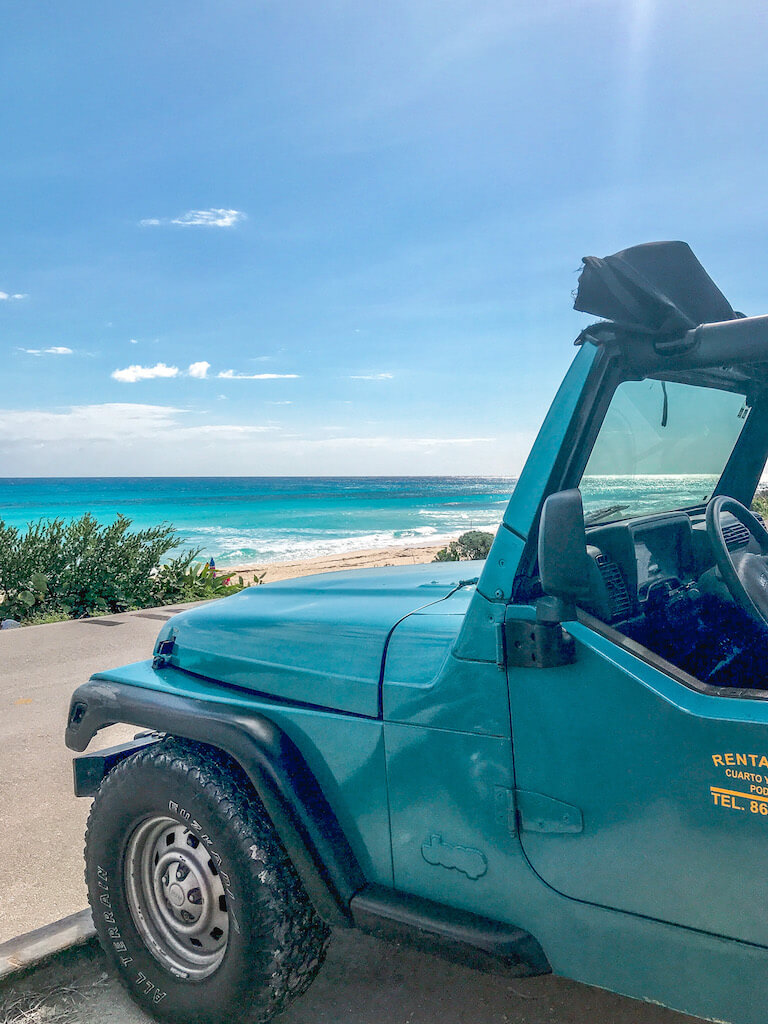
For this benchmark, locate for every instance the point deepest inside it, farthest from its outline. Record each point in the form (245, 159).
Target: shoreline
(364, 558)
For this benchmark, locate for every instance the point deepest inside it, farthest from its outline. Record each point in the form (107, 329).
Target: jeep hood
(317, 640)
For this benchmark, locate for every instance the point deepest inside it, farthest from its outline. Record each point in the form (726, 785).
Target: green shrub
(79, 568)
(184, 579)
(44, 618)
(760, 503)
(470, 545)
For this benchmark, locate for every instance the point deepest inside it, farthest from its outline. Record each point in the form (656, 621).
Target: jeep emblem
(471, 863)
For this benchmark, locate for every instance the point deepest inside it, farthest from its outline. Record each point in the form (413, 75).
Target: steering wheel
(745, 574)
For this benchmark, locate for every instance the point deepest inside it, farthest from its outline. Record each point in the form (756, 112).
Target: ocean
(239, 520)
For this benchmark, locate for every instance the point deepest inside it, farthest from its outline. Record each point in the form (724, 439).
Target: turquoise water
(237, 520)
(647, 494)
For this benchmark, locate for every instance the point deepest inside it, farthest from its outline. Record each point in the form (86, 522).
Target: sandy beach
(365, 559)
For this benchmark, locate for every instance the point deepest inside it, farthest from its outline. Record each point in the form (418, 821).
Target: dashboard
(663, 552)
(642, 562)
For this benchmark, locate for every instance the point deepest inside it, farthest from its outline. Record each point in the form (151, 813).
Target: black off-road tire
(271, 941)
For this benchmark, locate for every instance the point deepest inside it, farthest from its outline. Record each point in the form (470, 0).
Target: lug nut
(195, 896)
(181, 872)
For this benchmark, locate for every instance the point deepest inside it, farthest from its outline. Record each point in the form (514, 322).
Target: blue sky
(359, 224)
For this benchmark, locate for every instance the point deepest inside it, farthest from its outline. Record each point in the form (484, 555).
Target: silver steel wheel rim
(176, 897)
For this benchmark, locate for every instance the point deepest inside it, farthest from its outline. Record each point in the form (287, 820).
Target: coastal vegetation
(470, 545)
(760, 503)
(57, 570)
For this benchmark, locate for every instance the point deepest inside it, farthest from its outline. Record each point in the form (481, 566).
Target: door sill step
(455, 935)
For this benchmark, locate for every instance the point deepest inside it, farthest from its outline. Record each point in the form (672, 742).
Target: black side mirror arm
(554, 610)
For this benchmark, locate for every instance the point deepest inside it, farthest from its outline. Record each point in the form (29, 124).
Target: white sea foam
(236, 547)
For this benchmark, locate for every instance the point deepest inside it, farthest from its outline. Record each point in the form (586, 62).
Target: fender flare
(304, 820)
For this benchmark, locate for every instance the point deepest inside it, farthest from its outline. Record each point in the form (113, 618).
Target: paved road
(41, 838)
(365, 981)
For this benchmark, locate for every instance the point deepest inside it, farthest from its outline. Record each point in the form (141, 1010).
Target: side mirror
(563, 559)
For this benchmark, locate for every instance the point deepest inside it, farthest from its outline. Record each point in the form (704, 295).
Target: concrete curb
(26, 951)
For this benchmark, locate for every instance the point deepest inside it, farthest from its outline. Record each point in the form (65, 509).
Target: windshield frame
(561, 451)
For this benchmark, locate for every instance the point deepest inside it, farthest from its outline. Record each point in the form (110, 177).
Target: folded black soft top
(655, 288)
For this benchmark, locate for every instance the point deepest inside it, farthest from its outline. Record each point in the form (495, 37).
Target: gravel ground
(364, 981)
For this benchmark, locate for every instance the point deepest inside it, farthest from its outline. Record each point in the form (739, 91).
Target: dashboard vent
(617, 588)
(735, 535)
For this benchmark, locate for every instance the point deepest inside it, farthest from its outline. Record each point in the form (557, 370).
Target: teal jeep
(555, 760)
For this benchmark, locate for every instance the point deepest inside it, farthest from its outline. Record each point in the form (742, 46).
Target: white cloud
(112, 422)
(123, 437)
(54, 350)
(134, 341)
(372, 376)
(115, 423)
(401, 443)
(132, 374)
(11, 297)
(125, 422)
(214, 217)
(199, 370)
(225, 431)
(231, 375)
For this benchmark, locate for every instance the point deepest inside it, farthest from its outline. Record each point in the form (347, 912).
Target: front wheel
(193, 897)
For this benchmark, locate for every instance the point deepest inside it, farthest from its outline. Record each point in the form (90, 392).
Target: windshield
(662, 446)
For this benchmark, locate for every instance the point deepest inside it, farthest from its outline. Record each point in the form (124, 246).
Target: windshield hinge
(537, 644)
(501, 647)
(506, 808)
(539, 813)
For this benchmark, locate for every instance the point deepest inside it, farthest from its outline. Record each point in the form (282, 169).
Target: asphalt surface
(363, 981)
(41, 823)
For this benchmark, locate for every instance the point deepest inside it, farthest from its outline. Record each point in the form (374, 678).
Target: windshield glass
(662, 446)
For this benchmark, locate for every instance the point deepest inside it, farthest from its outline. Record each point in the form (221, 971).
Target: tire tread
(292, 946)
